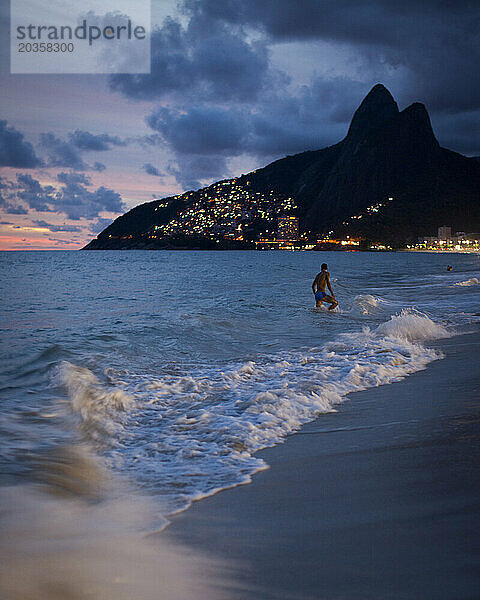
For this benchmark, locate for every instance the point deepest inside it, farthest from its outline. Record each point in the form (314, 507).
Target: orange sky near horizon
(31, 238)
(9, 244)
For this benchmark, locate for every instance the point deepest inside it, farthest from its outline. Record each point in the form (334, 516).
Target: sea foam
(194, 433)
(468, 282)
(366, 304)
(412, 325)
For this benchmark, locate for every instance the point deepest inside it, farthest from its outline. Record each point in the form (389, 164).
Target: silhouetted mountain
(388, 180)
(377, 109)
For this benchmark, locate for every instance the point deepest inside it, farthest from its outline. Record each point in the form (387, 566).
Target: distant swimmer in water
(449, 268)
(320, 283)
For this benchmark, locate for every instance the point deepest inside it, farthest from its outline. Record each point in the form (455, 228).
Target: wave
(100, 408)
(188, 435)
(366, 304)
(468, 282)
(412, 325)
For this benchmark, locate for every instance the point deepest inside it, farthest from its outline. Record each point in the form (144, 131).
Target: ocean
(134, 383)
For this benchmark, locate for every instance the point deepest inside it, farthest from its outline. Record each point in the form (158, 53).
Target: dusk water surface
(175, 367)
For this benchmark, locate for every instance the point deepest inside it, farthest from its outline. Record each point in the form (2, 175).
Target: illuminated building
(224, 210)
(444, 233)
(446, 242)
(288, 228)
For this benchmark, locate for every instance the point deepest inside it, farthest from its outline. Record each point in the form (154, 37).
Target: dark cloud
(192, 170)
(151, 170)
(377, 21)
(67, 153)
(201, 138)
(36, 196)
(436, 43)
(14, 150)
(204, 137)
(59, 241)
(201, 128)
(107, 200)
(62, 153)
(315, 117)
(8, 202)
(99, 225)
(71, 178)
(76, 201)
(84, 140)
(216, 62)
(57, 228)
(74, 198)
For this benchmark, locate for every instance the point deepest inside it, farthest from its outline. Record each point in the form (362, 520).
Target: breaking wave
(366, 304)
(99, 408)
(412, 325)
(468, 282)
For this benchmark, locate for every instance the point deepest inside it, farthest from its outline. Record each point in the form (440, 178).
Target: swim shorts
(320, 295)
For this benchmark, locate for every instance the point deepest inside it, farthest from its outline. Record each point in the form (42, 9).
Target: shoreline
(438, 251)
(376, 500)
(199, 249)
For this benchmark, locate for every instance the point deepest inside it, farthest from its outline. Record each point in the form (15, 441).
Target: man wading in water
(322, 281)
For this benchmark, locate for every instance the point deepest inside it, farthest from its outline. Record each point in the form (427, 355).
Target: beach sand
(378, 500)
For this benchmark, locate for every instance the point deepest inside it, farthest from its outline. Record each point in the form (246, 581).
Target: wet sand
(379, 500)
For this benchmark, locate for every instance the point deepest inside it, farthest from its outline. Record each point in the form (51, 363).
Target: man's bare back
(319, 285)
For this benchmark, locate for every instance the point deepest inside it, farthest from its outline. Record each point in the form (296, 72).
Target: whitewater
(139, 382)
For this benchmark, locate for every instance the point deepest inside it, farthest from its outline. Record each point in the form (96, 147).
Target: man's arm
(329, 286)
(314, 283)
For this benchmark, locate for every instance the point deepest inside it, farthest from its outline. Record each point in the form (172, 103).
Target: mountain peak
(415, 118)
(377, 108)
(418, 109)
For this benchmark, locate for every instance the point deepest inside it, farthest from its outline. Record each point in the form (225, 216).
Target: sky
(234, 85)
